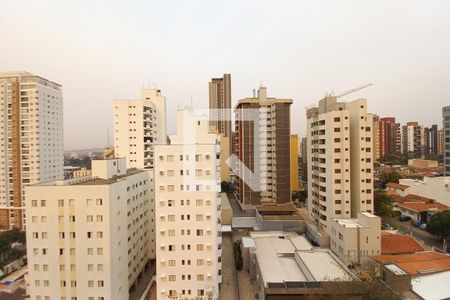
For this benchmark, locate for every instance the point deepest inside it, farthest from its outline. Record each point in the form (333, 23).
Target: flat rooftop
(293, 259)
(90, 180)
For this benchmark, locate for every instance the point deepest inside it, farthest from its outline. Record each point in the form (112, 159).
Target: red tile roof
(420, 206)
(416, 263)
(410, 198)
(397, 186)
(398, 244)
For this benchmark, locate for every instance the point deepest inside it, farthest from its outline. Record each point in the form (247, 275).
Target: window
(171, 218)
(90, 218)
(90, 283)
(171, 188)
(170, 158)
(99, 202)
(198, 172)
(200, 262)
(172, 278)
(90, 251)
(170, 173)
(199, 202)
(172, 263)
(100, 283)
(199, 232)
(99, 251)
(99, 218)
(199, 247)
(199, 217)
(100, 267)
(171, 203)
(60, 202)
(200, 277)
(171, 232)
(43, 203)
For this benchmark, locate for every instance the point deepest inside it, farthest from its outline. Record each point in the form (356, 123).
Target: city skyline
(136, 44)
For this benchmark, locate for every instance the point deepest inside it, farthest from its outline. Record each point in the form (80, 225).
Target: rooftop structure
(417, 263)
(399, 244)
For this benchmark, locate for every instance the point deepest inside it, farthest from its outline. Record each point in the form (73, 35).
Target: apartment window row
(199, 277)
(198, 247)
(182, 187)
(174, 294)
(198, 172)
(171, 158)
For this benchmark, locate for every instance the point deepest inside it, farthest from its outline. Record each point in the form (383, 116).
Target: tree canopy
(439, 225)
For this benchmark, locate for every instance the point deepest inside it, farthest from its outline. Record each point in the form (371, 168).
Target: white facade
(138, 126)
(31, 122)
(354, 240)
(90, 237)
(187, 211)
(436, 188)
(339, 156)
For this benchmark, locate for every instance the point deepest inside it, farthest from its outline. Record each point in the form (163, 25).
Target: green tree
(227, 187)
(439, 226)
(383, 205)
(386, 177)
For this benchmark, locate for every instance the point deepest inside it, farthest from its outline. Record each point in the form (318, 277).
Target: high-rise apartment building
(440, 148)
(388, 136)
(187, 212)
(90, 237)
(377, 139)
(139, 125)
(340, 160)
(263, 146)
(294, 162)
(413, 138)
(31, 138)
(220, 117)
(431, 140)
(446, 128)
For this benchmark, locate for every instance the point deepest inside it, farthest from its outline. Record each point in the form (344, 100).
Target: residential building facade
(294, 163)
(354, 240)
(139, 125)
(446, 128)
(31, 122)
(220, 117)
(90, 237)
(413, 138)
(263, 146)
(188, 219)
(388, 136)
(340, 160)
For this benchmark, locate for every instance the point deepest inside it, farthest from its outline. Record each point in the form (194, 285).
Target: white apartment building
(31, 139)
(413, 138)
(354, 240)
(340, 160)
(139, 125)
(90, 237)
(187, 211)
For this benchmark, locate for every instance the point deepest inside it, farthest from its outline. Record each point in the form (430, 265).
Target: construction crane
(354, 90)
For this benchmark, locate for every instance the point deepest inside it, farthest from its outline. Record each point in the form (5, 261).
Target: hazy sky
(100, 51)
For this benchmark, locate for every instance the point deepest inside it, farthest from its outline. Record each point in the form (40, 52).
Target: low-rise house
(394, 244)
(420, 211)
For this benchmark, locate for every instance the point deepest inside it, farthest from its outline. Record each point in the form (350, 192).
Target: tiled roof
(420, 206)
(418, 263)
(398, 244)
(397, 186)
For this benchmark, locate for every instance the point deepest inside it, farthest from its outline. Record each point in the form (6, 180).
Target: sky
(104, 50)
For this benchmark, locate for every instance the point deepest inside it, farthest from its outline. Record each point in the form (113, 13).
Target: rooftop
(398, 244)
(417, 263)
(91, 180)
(397, 186)
(421, 206)
(432, 287)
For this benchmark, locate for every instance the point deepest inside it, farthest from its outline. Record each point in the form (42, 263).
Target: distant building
(423, 163)
(431, 140)
(376, 138)
(446, 128)
(388, 136)
(264, 148)
(31, 123)
(340, 160)
(90, 238)
(440, 149)
(294, 162)
(82, 172)
(139, 125)
(413, 138)
(188, 211)
(220, 117)
(354, 240)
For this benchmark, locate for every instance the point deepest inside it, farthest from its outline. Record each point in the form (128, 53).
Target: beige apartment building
(446, 137)
(263, 146)
(187, 211)
(354, 240)
(220, 118)
(340, 160)
(139, 125)
(90, 237)
(31, 138)
(413, 138)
